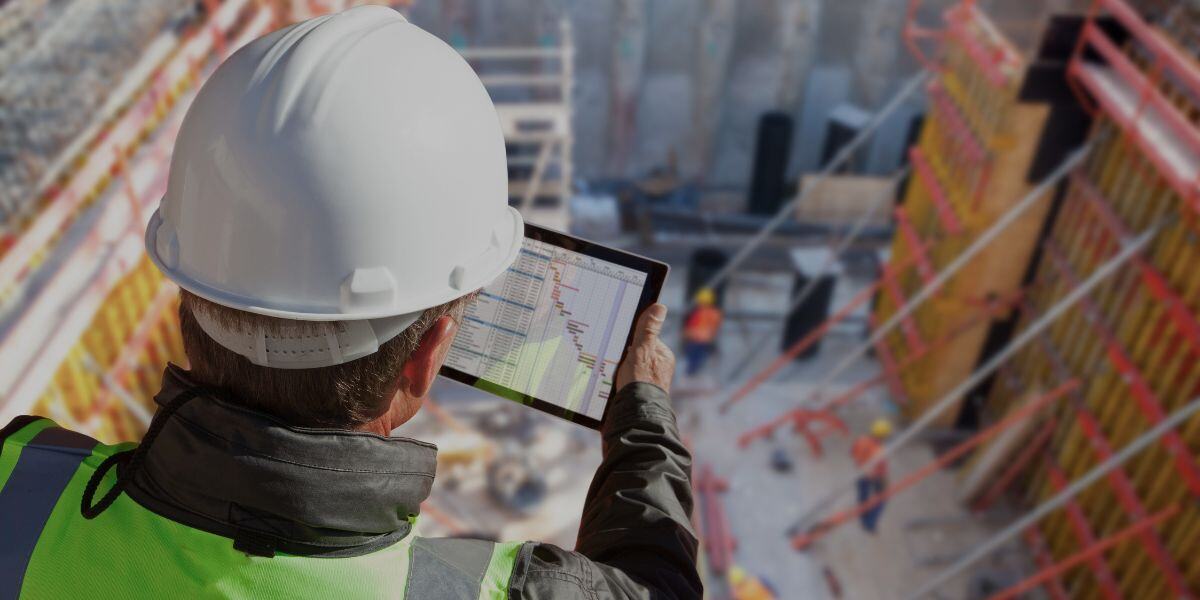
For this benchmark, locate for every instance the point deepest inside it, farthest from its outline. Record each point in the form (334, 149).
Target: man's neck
(402, 409)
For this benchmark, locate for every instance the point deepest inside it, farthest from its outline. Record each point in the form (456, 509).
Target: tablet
(550, 332)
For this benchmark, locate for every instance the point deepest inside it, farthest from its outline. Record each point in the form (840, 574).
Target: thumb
(650, 324)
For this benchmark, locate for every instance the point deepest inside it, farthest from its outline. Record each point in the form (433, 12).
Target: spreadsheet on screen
(553, 327)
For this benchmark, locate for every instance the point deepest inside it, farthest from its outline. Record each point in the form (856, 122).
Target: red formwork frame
(1118, 479)
(63, 202)
(128, 354)
(959, 128)
(804, 539)
(1144, 397)
(1018, 465)
(136, 344)
(891, 369)
(66, 201)
(1127, 495)
(967, 141)
(891, 287)
(1050, 571)
(1177, 309)
(905, 226)
(1044, 561)
(914, 33)
(937, 194)
(218, 36)
(1083, 531)
(1167, 58)
(888, 374)
(992, 61)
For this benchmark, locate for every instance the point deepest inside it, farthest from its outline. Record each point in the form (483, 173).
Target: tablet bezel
(656, 276)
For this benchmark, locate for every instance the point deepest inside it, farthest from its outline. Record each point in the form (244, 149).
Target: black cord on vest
(133, 458)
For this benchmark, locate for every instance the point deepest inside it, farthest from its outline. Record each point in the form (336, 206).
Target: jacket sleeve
(635, 537)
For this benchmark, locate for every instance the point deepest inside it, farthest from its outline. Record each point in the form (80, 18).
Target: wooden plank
(843, 199)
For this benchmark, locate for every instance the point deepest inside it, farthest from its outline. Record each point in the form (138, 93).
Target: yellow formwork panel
(1125, 315)
(106, 384)
(974, 149)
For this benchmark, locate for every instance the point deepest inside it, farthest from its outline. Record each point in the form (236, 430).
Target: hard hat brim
(510, 236)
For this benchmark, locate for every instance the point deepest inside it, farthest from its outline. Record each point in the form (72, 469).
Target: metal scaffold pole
(930, 288)
(1131, 248)
(1058, 500)
(910, 87)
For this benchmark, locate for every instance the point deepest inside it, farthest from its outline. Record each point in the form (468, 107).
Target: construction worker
(744, 586)
(337, 193)
(872, 482)
(700, 330)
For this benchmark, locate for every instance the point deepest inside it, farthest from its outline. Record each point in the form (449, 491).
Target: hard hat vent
(369, 289)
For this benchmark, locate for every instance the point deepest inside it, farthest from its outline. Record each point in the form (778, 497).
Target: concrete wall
(857, 57)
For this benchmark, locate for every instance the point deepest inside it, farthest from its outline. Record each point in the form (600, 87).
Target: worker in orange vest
(871, 483)
(744, 586)
(700, 330)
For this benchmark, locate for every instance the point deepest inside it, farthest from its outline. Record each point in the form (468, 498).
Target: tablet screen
(552, 329)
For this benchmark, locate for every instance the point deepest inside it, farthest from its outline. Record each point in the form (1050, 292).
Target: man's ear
(423, 365)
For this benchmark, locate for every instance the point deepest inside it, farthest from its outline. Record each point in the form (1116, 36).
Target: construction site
(962, 234)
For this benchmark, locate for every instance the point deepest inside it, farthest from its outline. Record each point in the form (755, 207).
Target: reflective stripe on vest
(460, 568)
(131, 551)
(40, 469)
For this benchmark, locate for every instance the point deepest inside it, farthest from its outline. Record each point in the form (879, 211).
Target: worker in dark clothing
(872, 482)
(327, 241)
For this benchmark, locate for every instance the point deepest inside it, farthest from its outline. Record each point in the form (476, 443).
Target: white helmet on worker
(348, 169)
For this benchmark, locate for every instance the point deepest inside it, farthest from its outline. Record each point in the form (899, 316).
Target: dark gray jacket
(272, 487)
(636, 538)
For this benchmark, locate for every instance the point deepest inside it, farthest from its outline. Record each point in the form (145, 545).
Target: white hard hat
(347, 168)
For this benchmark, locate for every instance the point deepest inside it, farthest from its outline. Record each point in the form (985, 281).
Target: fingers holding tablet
(648, 359)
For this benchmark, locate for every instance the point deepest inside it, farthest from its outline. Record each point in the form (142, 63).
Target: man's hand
(648, 359)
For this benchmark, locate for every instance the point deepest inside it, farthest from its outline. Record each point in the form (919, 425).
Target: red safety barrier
(805, 423)
(717, 537)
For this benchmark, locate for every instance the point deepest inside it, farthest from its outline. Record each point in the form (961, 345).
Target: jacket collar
(235, 472)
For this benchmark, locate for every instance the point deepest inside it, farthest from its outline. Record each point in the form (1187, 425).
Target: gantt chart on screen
(553, 327)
